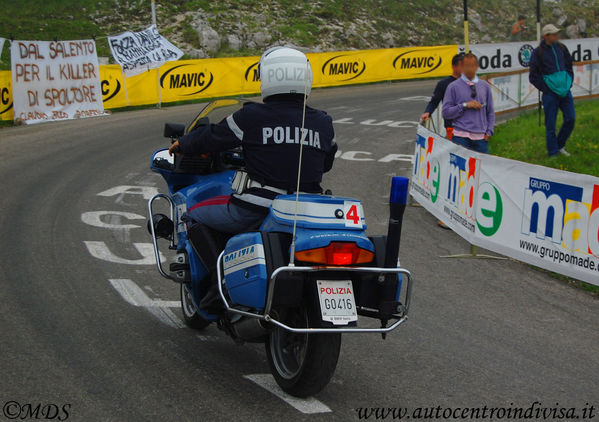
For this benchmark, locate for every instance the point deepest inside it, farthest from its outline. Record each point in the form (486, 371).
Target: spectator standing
(518, 28)
(439, 93)
(468, 102)
(551, 73)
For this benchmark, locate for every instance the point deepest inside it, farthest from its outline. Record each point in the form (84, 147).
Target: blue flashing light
(399, 190)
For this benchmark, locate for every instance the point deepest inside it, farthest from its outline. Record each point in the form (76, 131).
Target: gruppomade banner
(542, 216)
(505, 57)
(139, 51)
(55, 80)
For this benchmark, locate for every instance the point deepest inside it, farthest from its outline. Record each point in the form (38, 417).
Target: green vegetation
(523, 139)
(323, 24)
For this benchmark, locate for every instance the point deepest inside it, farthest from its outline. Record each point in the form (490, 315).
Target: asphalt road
(93, 326)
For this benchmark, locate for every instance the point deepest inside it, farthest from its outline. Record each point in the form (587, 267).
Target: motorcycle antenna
(299, 167)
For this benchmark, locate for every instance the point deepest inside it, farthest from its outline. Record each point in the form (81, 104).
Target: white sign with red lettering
(55, 80)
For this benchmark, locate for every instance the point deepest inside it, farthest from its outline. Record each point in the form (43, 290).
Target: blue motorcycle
(295, 294)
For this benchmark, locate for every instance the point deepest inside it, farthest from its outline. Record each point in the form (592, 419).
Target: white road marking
(94, 218)
(166, 316)
(397, 157)
(364, 156)
(407, 124)
(99, 249)
(146, 191)
(404, 124)
(416, 98)
(345, 121)
(308, 406)
(135, 296)
(372, 122)
(165, 303)
(352, 156)
(207, 338)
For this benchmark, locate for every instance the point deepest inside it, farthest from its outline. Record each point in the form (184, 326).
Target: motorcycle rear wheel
(302, 364)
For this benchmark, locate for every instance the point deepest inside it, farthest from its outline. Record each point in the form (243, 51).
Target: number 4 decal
(353, 214)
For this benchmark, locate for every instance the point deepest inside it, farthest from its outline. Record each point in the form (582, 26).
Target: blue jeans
(481, 146)
(551, 104)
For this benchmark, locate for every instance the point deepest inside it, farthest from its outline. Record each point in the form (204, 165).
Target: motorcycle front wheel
(191, 315)
(302, 364)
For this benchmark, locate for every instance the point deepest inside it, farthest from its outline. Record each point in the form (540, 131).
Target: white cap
(284, 70)
(550, 29)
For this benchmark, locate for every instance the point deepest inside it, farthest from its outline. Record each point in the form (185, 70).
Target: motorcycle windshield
(214, 112)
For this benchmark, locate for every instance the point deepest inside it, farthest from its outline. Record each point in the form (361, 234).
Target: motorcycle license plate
(337, 304)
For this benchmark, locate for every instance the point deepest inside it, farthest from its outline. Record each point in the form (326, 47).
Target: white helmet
(284, 70)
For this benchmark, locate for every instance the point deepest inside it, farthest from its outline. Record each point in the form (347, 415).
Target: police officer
(269, 134)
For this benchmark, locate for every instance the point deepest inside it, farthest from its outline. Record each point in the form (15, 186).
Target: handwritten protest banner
(55, 80)
(137, 52)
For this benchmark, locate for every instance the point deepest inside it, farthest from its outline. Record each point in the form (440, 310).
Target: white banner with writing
(505, 57)
(55, 80)
(542, 216)
(137, 52)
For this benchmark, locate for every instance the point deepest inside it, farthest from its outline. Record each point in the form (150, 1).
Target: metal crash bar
(154, 240)
(271, 286)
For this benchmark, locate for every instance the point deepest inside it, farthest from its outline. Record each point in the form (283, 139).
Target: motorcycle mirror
(173, 130)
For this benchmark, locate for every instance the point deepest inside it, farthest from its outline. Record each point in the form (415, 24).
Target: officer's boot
(207, 244)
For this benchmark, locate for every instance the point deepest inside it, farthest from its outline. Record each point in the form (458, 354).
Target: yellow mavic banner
(112, 86)
(211, 78)
(6, 108)
(208, 78)
(363, 66)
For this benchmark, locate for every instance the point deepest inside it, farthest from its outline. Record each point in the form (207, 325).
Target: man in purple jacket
(468, 103)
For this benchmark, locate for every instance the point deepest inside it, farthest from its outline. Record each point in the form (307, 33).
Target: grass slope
(321, 24)
(523, 139)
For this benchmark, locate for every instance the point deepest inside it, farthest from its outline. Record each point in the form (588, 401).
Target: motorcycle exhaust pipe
(250, 329)
(397, 206)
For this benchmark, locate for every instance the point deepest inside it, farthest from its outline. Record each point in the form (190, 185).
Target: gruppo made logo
(463, 184)
(556, 211)
(473, 202)
(417, 61)
(427, 172)
(344, 67)
(186, 79)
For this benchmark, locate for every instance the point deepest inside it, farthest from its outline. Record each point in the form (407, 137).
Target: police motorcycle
(306, 275)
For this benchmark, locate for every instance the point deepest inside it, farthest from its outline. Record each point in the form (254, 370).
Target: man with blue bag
(551, 73)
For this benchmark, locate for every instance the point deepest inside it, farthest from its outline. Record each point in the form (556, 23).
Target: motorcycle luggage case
(244, 267)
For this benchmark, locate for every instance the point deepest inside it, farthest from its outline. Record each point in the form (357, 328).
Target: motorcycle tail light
(336, 253)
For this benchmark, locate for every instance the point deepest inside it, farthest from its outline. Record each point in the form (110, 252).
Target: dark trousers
(481, 146)
(220, 214)
(551, 104)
